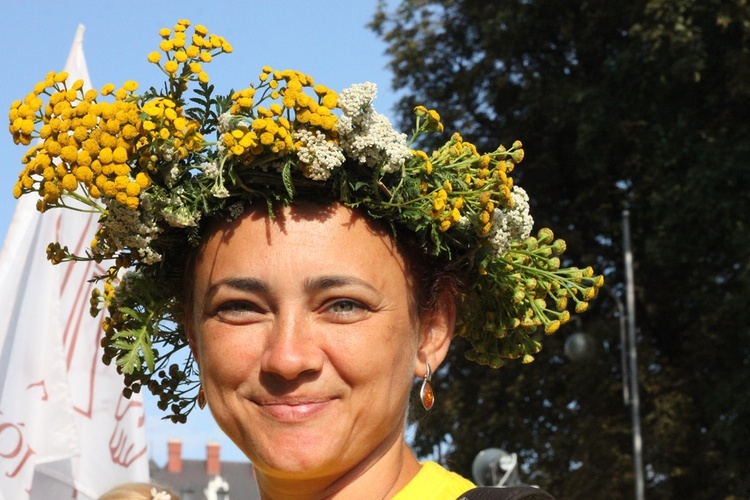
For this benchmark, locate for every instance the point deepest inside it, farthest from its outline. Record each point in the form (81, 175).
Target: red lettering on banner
(41, 384)
(121, 448)
(86, 407)
(79, 309)
(15, 454)
(85, 351)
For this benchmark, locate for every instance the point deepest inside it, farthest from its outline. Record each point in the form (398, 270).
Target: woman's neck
(380, 475)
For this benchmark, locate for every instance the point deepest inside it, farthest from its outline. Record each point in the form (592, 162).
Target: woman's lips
(295, 410)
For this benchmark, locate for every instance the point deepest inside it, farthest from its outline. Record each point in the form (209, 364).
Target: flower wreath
(154, 165)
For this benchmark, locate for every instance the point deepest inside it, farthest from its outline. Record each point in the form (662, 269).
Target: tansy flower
(143, 180)
(171, 67)
(70, 183)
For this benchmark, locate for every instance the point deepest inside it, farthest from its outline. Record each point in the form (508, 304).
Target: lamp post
(635, 401)
(578, 347)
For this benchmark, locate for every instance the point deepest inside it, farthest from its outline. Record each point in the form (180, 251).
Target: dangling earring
(425, 392)
(201, 398)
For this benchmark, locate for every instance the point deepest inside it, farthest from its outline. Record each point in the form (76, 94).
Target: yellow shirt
(433, 482)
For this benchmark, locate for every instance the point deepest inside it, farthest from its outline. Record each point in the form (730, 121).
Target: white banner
(65, 429)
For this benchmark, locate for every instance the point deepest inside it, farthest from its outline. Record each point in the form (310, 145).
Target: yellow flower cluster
(94, 145)
(543, 297)
(190, 56)
(270, 128)
(166, 126)
(462, 179)
(430, 119)
(83, 142)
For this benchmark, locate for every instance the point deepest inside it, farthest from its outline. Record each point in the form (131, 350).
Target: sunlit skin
(306, 336)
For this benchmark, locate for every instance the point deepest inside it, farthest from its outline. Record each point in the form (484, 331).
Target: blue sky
(327, 39)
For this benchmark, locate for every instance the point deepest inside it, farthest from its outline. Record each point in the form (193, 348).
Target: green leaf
(286, 176)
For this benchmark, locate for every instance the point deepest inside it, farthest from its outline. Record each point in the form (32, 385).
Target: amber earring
(425, 392)
(201, 398)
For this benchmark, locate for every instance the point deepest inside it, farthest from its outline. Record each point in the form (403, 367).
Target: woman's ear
(436, 333)
(192, 341)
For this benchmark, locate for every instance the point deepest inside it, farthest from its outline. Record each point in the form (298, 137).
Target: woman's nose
(291, 348)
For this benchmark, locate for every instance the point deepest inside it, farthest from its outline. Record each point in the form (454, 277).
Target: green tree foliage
(644, 102)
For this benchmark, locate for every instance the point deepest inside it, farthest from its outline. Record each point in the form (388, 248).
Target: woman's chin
(290, 460)
(296, 445)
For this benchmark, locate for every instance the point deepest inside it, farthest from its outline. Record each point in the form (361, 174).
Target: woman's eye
(235, 310)
(347, 308)
(343, 306)
(237, 306)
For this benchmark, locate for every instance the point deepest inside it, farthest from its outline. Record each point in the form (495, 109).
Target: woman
(307, 334)
(311, 259)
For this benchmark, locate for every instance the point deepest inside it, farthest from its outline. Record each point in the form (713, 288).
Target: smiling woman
(307, 337)
(313, 262)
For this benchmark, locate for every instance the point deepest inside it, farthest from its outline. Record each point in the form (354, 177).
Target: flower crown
(154, 165)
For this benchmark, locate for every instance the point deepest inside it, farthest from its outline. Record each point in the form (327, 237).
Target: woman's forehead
(331, 232)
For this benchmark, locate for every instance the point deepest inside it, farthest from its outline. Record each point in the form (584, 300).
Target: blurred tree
(644, 102)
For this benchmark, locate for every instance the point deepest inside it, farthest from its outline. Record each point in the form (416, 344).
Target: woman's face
(307, 340)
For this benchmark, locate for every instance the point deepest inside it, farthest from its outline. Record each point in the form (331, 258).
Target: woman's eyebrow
(331, 281)
(243, 284)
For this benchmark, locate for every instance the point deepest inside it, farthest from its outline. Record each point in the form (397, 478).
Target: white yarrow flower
(125, 229)
(173, 175)
(178, 215)
(319, 154)
(210, 169)
(235, 210)
(511, 224)
(219, 191)
(159, 495)
(224, 123)
(357, 98)
(368, 136)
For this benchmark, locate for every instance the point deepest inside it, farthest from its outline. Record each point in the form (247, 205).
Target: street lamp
(495, 467)
(635, 401)
(579, 346)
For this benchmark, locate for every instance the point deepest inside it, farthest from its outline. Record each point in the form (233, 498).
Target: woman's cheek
(227, 353)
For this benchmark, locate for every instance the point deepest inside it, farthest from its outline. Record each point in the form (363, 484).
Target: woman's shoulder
(434, 482)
